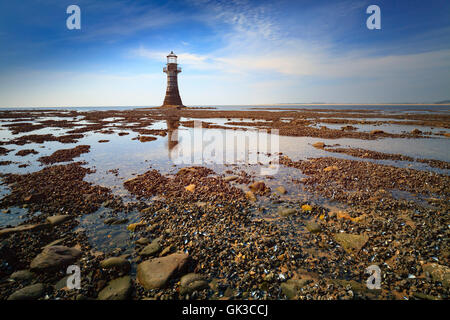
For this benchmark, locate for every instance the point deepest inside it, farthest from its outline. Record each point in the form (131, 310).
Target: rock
(117, 289)
(115, 221)
(416, 131)
(229, 292)
(281, 190)
(120, 221)
(6, 211)
(343, 215)
(32, 292)
(313, 226)
(230, 178)
(331, 168)
(306, 207)
(151, 249)
(54, 243)
(132, 227)
(351, 242)
(58, 219)
(142, 241)
(167, 250)
(146, 138)
(109, 221)
(377, 132)
(285, 212)
(190, 188)
(192, 282)
(250, 196)
(22, 275)
(118, 263)
(54, 257)
(147, 210)
(291, 287)
(354, 285)
(424, 296)
(257, 186)
(438, 273)
(26, 227)
(154, 273)
(61, 284)
(187, 170)
(319, 145)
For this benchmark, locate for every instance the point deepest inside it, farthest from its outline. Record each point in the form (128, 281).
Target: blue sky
(231, 52)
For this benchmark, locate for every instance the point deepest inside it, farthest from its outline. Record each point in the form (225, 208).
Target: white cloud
(256, 47)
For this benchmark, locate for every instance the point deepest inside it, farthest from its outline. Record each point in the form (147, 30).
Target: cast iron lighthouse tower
(172, 99)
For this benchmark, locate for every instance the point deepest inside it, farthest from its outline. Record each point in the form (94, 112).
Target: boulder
(54, 257)
(117, 289)
(33, 292)
(154, 273)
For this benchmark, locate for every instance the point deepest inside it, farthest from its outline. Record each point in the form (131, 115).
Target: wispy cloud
(256, 43)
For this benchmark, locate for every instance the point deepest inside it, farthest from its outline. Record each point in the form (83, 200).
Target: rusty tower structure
(172, 99)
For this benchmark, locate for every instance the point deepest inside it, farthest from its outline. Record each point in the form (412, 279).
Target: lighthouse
(172, 99)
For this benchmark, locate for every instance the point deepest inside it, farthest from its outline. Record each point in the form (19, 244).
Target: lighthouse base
(172, 106)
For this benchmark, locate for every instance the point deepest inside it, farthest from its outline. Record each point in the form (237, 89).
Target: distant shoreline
(243, 105)
(362, 104)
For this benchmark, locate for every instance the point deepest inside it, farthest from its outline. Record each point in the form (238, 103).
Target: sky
(231, 52)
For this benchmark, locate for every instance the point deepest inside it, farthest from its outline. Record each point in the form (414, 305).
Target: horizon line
(252, 104)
